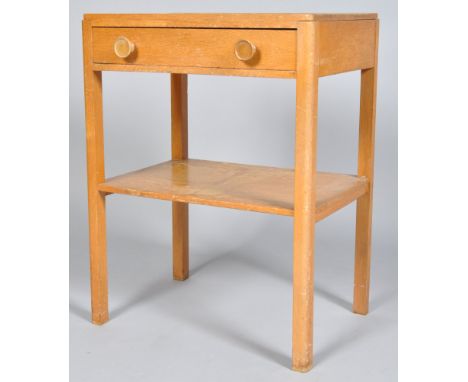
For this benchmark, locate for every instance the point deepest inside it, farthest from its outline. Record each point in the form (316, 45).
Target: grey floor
(231, 320)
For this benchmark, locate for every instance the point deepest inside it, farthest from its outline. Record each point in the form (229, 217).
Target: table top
(221, 20)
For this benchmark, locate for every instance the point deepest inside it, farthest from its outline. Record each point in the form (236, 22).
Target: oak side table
(303, 47)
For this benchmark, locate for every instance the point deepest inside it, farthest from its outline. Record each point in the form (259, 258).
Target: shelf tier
(239, 186)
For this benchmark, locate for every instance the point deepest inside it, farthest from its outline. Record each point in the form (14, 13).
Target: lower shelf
(239, 186)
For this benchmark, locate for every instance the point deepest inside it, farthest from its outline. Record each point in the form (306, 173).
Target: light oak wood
(123, 47)
(196, 70)
(364, 203)
(300, 46)
(220, 20)
(96, 199)
(305, 195)
(232, 185)
(245, 50)
(180, 211)
(208, 48)
(345, 46)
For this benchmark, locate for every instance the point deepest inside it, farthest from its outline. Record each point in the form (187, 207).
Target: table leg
(180, 212)
(96, 199)
(364, 203)
(304, 196)
(365, 168)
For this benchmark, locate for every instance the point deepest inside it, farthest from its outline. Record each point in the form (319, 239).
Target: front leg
(304, 195)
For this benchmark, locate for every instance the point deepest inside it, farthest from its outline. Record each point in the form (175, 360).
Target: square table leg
(96, 199)
(304, 195)
(180, 211)
(364, 203)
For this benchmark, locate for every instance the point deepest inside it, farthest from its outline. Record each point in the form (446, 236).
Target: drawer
(265, 49)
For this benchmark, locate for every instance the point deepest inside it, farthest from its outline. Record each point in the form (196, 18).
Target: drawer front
(210, 48)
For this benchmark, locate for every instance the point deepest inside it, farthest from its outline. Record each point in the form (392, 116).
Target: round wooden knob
(123, 47)
(245, 50)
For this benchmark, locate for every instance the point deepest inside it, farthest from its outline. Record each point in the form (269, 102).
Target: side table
(303, 47)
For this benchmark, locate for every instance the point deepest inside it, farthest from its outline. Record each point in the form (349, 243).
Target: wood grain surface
(364, 203)
(95, 167)
(179, 149)
(306, 195)
(346, 46)
(207, 48)
(302, 46)
(220, 20)
(239, 186)
(252, 72)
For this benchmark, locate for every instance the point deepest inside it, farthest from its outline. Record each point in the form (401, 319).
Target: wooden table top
(222, 20)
